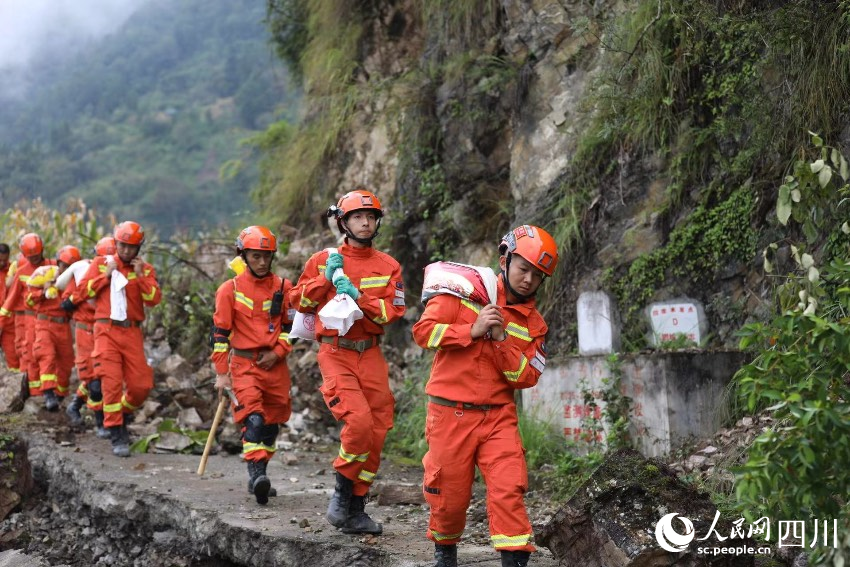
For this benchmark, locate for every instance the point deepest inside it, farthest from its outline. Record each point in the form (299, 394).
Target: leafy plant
(198, 438)
(800, 469)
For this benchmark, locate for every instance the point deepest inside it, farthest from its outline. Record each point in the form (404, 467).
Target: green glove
(333, 263)
(344, 285)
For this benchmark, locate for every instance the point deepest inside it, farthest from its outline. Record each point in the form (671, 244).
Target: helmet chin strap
(253, 273)
(367, 241)
(515, 293)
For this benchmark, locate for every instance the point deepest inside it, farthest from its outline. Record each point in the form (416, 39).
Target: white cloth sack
(76, 270)
(304, 324)
(340, 313)
(474, 283)
(118, 296)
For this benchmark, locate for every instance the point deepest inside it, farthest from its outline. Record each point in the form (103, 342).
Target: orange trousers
(460, 440)
(84, 345)
(10, 350)
(24, 340)
(356, 389)
(53, 349)
(120, 363)
(261, 392)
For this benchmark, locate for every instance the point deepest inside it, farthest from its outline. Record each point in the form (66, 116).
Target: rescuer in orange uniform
(484, 354)
(32, 248)
(121, 285)
(355, 375)
(250, 340)
(89, 392)
(53, 348)
(7, 338)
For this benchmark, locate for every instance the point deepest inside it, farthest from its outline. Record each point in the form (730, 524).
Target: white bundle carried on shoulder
(117, 292)
(473, 283)
(76, 270)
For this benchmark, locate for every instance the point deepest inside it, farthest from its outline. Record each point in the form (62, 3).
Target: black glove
(68, 305)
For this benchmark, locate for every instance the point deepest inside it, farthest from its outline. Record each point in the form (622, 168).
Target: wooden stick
(219, 413)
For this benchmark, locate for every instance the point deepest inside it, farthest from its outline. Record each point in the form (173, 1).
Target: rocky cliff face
(472, 117)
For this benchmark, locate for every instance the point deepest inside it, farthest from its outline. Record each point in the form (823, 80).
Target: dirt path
(160, 498)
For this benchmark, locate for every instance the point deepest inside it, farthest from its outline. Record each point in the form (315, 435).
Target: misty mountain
(140, 122)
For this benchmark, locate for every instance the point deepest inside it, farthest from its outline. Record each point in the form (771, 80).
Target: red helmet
(534, 244)
(105, 246)
(31, 244)
(356, 200)
(129, 232)
(69, 255)
(256, 238)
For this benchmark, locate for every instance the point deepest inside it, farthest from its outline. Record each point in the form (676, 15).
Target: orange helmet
(68, 254)
(534, 244)
(356, 200)
(31, 244)
(129, 232)
(256, 238)
(105, 246)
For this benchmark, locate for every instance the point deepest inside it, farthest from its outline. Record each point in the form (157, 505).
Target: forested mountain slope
(145, 122)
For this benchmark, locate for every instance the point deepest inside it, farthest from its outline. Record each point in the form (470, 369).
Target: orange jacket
(141, 290)
(242, 320)
(85, 310)
(481, 371)
(17, 293)
(376, 275)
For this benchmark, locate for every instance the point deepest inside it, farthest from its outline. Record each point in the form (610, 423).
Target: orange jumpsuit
(119, 350)
(243, 327)
(7, 339)
(84, 340)
(24, 322)
(53, 348)
(355, 376)
(472, 418)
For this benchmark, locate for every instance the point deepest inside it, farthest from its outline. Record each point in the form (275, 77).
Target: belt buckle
(360, 346)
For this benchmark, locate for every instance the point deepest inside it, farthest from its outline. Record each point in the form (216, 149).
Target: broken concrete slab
(613, 519)
(162, 501)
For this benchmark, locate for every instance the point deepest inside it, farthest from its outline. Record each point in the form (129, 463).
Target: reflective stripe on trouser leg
(126, 379)
(28, 344)
(264, 393)
(54, 351)
(355, 388)
(501, 460)
(449, 470)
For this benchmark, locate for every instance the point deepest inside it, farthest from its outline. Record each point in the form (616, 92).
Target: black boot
(340, 501)
(260, 483)
(99, 429)
(515, 558)
(25, 387)
(445, 555)
(358, 521)
(120, 441)
(272, 491)
(73, 411)
(51, 402)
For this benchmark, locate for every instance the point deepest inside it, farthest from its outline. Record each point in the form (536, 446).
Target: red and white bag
(473, 283)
